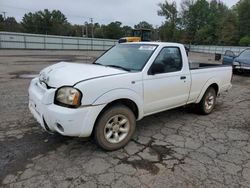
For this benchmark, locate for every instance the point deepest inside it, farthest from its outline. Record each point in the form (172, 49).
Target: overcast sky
(129, 12)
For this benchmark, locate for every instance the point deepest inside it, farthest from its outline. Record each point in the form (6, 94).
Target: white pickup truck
(125, 84)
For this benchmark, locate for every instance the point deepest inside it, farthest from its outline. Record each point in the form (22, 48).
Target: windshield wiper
(98, 64)
(119, 67)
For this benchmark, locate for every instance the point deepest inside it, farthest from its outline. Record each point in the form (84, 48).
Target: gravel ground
(176, 148)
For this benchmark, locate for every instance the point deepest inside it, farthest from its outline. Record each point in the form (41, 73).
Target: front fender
(206, 86)
(117, 94)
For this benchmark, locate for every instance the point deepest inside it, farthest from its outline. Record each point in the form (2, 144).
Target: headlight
(68, 97)
(236, 63)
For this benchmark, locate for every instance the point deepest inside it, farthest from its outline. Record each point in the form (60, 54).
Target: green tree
(1, 22)
(143, 25)
(11, 25)
(168, 31)
(229, 33)
(1, 18)
(58, 23)
(127, 30)
(245, 41)
(204, 22)
(76, 30)
(242, 9)
(194, 18)
(217, 12)
(113, 30)
(99, 31)
(46, 22)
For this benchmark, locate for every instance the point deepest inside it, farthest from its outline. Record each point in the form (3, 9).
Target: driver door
(169, 88)
(228, 57)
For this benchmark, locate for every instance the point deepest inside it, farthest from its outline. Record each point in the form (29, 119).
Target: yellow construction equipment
(138, 35)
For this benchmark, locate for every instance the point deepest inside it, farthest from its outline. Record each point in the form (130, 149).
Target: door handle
(183, 77)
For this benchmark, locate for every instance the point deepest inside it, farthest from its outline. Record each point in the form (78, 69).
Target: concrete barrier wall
(216, 49)
(10, 40)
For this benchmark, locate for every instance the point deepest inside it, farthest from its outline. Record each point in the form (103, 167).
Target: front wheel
(207, 102)
(115, 127)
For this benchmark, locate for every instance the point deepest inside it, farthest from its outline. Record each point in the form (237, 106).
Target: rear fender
(206, 86)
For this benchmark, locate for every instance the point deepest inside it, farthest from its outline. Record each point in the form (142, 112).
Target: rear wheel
(115, 127)
(237, 71)
(207, 102)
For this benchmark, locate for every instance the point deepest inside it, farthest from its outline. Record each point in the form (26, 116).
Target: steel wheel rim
(209, 102)
(116, 129)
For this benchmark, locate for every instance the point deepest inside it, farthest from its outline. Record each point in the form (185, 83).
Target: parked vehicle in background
(127, 83)
(240, 63)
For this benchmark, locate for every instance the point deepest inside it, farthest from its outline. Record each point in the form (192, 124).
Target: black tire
(207, 102)
(102, 127)
(237, 71)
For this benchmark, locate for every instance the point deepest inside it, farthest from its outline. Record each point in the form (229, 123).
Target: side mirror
(157, 68)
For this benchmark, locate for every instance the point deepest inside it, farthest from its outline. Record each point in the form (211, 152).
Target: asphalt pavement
(176, 148)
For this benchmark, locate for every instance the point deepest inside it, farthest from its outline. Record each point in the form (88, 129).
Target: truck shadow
(15, 153)
(243, 74)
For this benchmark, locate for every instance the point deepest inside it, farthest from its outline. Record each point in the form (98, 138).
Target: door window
(170, 59)
(229, 53)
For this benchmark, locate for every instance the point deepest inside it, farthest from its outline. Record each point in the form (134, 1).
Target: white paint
(101, 85)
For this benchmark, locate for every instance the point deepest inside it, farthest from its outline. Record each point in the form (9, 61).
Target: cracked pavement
(176, 148)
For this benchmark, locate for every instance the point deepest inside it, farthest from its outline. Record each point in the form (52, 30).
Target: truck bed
(197, 65)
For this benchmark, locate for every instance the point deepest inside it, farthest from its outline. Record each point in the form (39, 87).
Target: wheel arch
(122, 101)
(216, 87)
(210, 83)
(126, 97)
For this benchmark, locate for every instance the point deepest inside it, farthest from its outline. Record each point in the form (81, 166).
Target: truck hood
(68, 74)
